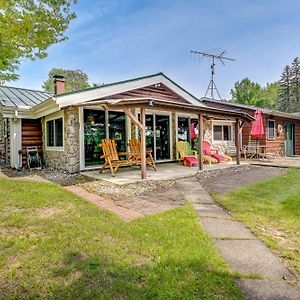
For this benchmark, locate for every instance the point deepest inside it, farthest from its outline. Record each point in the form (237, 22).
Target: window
(183, 129)
(271, 130)
(54, 130)
(222, 133)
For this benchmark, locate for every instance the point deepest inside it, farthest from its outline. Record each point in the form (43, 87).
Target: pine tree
(295, 84)
(284, 96)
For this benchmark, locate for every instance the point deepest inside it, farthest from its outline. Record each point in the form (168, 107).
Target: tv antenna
(220, 57)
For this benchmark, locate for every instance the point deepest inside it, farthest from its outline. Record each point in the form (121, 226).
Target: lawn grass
(56, 245)
(271, 209)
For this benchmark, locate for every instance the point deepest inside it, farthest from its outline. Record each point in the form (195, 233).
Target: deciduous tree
(28, 28)
(74, 80)
(247, 92)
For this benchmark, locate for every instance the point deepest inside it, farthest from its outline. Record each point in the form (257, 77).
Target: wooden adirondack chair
(135, 151)
(214, 153)
(112, 157)
(184, 149)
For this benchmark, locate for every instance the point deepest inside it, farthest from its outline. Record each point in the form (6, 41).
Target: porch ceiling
(167, 105)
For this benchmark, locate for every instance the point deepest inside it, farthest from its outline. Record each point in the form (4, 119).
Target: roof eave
(162, 104)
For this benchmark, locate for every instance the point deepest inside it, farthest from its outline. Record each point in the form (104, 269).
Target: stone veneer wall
(69, 159)
(4, 139)
(207, 128)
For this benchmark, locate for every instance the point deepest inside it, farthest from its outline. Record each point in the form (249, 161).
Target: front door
(289, 139)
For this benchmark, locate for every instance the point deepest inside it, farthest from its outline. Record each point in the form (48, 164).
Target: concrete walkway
(281, 162)
(244, 253)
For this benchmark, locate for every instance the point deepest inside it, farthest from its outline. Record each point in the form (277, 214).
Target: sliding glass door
(117, 130)
(94, 132)
(162, 136)
(97, 125)
(158, 135)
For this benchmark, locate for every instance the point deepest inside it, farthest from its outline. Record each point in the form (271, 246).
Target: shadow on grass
(93, 277)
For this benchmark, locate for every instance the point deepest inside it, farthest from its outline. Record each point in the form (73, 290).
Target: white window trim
(223, 123)
(273, 138)
(59, 115)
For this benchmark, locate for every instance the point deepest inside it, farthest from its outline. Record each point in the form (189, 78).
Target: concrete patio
(282, 162)
(165, 171)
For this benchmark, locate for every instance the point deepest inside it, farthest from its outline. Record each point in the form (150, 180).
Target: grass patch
(271, 209)
(56, 245)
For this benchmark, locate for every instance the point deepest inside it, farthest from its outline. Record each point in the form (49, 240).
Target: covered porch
(135, 109)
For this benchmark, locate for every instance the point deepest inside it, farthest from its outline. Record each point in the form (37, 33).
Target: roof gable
(157, 91)
(146, 86)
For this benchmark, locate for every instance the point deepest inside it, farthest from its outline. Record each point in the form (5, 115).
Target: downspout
(15, 141)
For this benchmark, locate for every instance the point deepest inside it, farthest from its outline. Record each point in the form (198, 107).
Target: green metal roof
(17, 97)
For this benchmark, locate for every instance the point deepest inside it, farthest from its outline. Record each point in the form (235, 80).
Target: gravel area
(50, 174)
(118, 192)
(99, 187)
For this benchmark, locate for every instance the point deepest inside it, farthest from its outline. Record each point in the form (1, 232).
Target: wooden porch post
(200, 138)
(237, 141)
(106, 124)
(142, 126)
(143, 143)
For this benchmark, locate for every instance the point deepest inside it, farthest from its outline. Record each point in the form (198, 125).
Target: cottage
(68, 127)
(282, 130)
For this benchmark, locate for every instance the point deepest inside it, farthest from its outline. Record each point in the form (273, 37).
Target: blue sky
(116, 40)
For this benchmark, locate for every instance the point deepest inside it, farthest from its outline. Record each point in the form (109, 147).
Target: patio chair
(112, 157)
(33, 158)
(135, 150)
(251, 150)
(185, 150)
(208, 150)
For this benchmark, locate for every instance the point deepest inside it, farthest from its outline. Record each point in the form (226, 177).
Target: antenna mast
(212, 86)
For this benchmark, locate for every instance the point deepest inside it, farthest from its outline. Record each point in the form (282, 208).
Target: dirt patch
(224, 180)
(48, 212)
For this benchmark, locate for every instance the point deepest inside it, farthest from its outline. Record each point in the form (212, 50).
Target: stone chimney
(59, 84)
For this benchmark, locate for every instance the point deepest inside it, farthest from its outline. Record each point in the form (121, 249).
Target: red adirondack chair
(207, 149)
